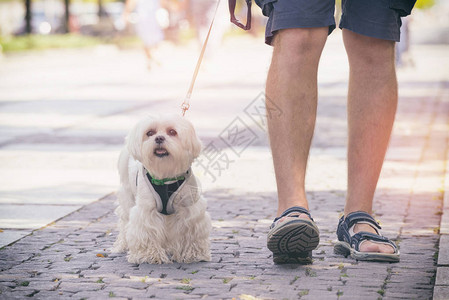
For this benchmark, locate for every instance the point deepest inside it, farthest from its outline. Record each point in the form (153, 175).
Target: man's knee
(300, 41)
(368, 51)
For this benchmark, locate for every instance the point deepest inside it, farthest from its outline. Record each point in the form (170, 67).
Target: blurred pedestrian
(200, 14)
(147, 27)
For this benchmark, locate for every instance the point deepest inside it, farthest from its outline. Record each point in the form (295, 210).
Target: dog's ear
(196, 145)
(134, 142)
(193, 143)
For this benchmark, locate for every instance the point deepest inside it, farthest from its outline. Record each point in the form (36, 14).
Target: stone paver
(441, 290)
(80, 132)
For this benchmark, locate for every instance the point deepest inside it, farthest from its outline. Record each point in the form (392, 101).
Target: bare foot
(299, 215)
(368, 246)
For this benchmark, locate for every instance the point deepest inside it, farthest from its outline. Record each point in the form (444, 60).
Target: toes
(368, 246)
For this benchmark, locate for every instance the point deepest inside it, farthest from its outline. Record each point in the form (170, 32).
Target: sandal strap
(359, 237)
(346, 223)
(360, 217)
(297, 209)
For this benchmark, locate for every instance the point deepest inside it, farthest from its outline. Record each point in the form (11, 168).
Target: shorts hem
(292, 20)
(383, 33)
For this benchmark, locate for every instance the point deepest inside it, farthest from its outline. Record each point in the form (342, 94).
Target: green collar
(163, 180)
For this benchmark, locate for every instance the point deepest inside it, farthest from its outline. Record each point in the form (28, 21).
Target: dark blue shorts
(373, 18)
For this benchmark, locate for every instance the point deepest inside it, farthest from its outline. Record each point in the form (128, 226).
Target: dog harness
(165, 189)
(170, 192)
(164, 181)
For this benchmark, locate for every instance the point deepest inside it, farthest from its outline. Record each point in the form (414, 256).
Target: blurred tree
(66, 16)
(28, 16)
(101, 11)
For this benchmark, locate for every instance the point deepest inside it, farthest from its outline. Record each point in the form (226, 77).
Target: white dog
(162, 215)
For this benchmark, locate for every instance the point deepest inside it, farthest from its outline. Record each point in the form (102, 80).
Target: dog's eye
(172, 132)
(151, 132)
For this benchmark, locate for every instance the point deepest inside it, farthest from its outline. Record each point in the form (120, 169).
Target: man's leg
(292, 86)
(372, 102)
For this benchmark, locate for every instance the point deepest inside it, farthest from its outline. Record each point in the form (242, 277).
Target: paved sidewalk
(69, 131)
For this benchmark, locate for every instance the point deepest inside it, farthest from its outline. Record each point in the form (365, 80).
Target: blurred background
(31, 24)
(75, 75)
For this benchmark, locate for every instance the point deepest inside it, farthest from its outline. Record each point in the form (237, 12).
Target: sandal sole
(293, 242)
(343, 248)
(303, 258)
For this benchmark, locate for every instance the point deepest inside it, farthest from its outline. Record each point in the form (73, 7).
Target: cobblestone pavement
(70, 257)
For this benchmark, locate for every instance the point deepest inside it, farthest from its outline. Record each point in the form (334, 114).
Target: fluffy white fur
(146, 234)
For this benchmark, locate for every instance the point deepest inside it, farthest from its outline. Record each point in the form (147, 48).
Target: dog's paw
(119, 247)
(148, 257)
(117, 250)
(206, 257)
(159, 260)
(189, 260)
(192, 257)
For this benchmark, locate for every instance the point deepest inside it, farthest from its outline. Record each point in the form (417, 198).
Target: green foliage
(226, 280)
(423, 4)
(186, 280)
(310, 272)
(41, 42)
(187, 288)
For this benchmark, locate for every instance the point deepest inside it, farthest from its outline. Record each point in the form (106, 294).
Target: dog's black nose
(159, 139)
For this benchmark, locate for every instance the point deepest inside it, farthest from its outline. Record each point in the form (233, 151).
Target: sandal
(349, 242)
(292, 239)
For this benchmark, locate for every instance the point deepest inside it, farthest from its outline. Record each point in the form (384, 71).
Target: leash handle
(186, 104)
(234, 20)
